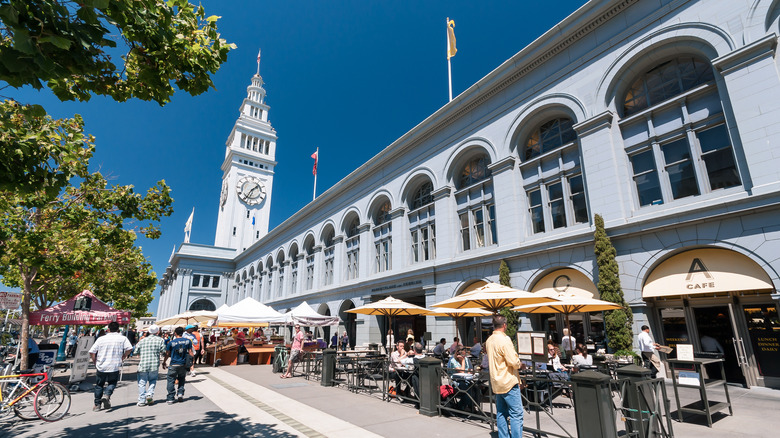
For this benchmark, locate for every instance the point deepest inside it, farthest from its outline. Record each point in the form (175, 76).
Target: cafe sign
(709, 270)
(10, 300)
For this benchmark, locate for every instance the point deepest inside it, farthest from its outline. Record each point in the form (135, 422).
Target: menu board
(524, 343)
(532, 345)
(685, 351)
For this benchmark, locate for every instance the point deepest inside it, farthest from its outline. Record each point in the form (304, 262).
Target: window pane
(479, 227)
(196, 280)
(215, 281)
(578, 199)
(492, 224)
(464, 231)
(557, 207)
(682, 180)
(676, 151)
(647, 185)
(714, 139)
(206, 280)
(414, 246)
(537, 214)
(721, 169)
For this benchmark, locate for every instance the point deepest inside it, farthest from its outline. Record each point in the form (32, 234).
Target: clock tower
(247, 173)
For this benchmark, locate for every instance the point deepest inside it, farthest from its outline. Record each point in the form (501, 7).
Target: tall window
(422, 224)
(328, 258)
(671, 161)
(558, 199)
(477, 213)
(294, 275)
(280, 279)
(352, 244)
(383, 238)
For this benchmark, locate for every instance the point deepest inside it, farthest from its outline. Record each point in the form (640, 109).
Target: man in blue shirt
(177, 349)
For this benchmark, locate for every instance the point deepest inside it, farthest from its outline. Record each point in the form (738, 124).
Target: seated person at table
(438, 350)
(459, 362)
(582, 357)
(455, 345)
(477, 348)
(410, 361)
(554, 354)
(397, 366)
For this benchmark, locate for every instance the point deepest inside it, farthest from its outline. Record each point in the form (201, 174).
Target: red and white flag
(315, 155)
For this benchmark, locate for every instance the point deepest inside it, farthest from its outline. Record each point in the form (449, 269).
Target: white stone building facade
(660, 116)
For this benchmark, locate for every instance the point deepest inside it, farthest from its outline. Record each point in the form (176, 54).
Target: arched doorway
(348, 321)
(719, 301)
(325, 310)
(203, 304)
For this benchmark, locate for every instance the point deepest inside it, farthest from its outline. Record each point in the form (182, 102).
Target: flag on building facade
(188, 227)
(451, 49)
(315, 155)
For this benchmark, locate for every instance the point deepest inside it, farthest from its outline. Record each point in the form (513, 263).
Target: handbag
(446, 391)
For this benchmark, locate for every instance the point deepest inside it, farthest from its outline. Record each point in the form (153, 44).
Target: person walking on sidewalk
(150, 348)
(107, 353)
(505, 381)
(648, 347)
(296, 352)
(194, 337)
(179, 349)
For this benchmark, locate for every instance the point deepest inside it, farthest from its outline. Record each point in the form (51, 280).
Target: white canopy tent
(305, 315)
(248, 312)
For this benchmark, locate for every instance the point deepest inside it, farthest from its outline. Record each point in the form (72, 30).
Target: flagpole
(449, 63)
(316, 162)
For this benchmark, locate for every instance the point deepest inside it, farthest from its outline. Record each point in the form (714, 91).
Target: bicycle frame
(20, 381)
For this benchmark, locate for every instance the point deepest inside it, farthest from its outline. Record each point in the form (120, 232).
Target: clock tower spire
(247, 173)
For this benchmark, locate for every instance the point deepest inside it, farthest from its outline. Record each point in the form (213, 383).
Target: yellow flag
(451, 50)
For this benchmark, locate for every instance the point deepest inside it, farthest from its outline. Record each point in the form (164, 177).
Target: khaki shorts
(296, 355)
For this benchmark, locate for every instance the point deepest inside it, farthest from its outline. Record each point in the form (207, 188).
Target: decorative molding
(503, 165)
(397, 212)
(317, 248)
(362, 228)
(595, 123)
(746, 55)
(338, 239)
(441, 193)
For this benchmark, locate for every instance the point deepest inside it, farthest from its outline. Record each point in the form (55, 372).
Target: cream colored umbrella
(187, 318)
(390, 307)
(462, 313)
(568, 304)
(492, 297)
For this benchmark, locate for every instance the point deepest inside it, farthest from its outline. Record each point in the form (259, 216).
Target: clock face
(250, 190)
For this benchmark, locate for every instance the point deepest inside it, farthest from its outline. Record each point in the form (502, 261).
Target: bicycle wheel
(52, 401)
(25, 407)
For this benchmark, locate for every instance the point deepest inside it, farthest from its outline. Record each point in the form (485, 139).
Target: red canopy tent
(82, 309)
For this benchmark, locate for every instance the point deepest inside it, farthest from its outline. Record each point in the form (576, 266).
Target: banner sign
(79, 317)
(10, 300)
(81, 359)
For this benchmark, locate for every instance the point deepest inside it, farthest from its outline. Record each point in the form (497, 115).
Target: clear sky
(348, 77)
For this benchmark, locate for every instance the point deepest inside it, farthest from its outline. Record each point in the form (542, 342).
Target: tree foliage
(507, 312)
(72, 47)
(617, 322)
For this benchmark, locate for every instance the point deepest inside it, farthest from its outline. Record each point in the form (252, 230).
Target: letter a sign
(697, 267)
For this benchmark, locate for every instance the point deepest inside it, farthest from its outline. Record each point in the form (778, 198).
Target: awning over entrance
(705, 271)
(566, 281)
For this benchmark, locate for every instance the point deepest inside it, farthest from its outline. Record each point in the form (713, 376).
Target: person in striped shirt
(150, 348)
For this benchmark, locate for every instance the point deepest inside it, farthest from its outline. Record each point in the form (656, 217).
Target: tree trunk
(25, 335)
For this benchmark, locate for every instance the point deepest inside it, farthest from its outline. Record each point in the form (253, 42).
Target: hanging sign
(10, 300)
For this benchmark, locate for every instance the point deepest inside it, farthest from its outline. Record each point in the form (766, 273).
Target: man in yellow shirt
(505, 381)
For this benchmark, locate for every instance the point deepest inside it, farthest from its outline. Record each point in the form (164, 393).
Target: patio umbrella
(568, 304)
(187, 318)
(390, 307)
(461, 313)
(492, 297)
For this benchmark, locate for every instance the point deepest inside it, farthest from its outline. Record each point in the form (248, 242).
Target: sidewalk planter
(593, 408)
(429, 386)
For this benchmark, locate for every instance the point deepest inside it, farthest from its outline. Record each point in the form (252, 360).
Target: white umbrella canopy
(390, 307)
(186, 318)
(459, 313)
(492, 297)
(305, 315)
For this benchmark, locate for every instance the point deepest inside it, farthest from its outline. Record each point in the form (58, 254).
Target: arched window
(671, 161)
(474, 171)
(383, 238)
(294, 269)
(203, 304)
(422, 196)
(422, 223)
(665, 81)
(549, 136)
(477, 210)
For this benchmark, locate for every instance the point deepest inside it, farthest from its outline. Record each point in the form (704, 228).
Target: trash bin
(593, 410)
(638, 401)
(328, 367)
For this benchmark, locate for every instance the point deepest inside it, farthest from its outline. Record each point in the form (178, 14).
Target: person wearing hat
(149, 348)
(190, 334)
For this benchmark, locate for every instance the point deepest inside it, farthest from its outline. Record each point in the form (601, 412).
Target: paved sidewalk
(246, 400)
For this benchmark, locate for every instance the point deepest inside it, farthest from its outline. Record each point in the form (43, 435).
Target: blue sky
(348, 77)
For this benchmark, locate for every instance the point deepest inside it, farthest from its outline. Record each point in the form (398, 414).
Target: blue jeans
(176, 372)
(109, 381)
(145, 377)
(509, 406)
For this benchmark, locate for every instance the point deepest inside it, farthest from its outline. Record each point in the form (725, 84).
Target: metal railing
(468, 398)
(539, 395)
(644, 409)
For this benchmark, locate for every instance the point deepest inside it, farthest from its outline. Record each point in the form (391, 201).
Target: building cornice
(747, 54)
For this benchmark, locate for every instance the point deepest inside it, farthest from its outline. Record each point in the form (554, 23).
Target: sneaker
(170, 402)
(141, 404)
(192, 373)
(149, 401)
(106, 402)
(181, 399)
(96, 408)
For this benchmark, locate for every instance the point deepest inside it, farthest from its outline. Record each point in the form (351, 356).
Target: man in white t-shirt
(647, 347)
(107, 353)
(568, 343)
